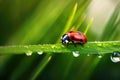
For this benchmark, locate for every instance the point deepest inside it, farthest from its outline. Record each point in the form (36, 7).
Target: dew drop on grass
(88, 54)
(28, 53)
(76, 53)
(115, 57)
(99, 44)
(40, 52)
(26, 46)
(53, 47)
(99, 56)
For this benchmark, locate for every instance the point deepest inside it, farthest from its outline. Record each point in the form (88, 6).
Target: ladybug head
(116, 54)
(65, 39)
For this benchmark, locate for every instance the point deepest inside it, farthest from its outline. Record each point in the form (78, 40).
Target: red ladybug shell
(77, 37)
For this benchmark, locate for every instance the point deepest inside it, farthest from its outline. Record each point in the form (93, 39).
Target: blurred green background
(43, 22)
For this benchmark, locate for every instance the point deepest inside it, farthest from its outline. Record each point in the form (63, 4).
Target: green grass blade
(110, 24)
(20, 70)
(81, 20)
(41, 66)
(70, 20)
(88, 26)
(90, 47)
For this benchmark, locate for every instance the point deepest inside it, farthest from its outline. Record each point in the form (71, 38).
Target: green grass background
(44, 22)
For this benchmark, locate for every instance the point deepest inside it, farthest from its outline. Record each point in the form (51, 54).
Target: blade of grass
(70, 20)
(89, 70)
(115, 30)
(110, 24)
(81, 20)
(19, 70)
(82, 9)
(90, 47)
(41, 66)
(88, 26)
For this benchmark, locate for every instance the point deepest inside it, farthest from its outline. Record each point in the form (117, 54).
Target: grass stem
(90, 47)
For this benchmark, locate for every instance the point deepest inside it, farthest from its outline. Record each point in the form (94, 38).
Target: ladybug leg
(67, 45)
(74, 44)
(81, 44)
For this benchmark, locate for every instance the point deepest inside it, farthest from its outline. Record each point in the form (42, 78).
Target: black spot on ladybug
(73, 38)
(81, 40)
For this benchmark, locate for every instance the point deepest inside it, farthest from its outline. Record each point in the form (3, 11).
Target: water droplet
(76, 53)
(26, 46)
(29, 53)
(99, 56)
(40, 52)
(115, 57)
(53, 46)
(99, 44)
(88, 54)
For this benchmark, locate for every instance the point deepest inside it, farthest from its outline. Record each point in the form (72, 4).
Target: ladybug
(74, 37)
